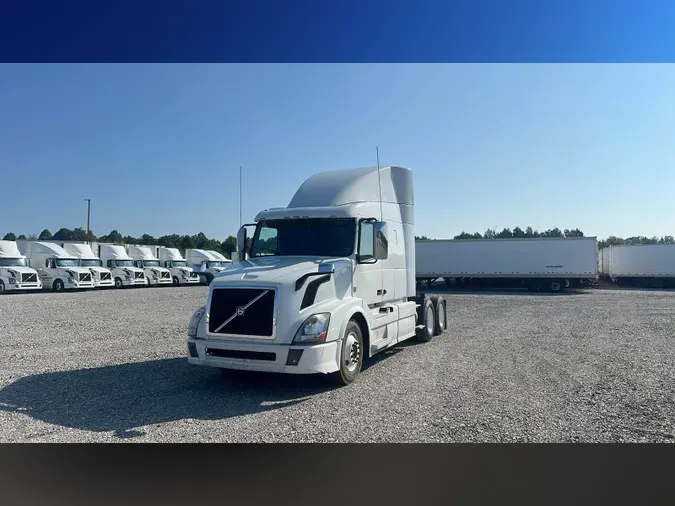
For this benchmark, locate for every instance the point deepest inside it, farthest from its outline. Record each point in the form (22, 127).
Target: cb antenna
(240, 198)
(379, 180)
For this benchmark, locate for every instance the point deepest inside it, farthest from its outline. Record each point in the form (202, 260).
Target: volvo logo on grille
(240, 311)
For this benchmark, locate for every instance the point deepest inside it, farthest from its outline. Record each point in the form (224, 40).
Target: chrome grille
(138, 275)
(242, 311)
(85, 277)
(105, 276)
(28, 277)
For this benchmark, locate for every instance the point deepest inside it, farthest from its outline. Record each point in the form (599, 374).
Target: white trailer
(102, 275)
(550, 263)
(329, 281)
(58, 270)
(154, 273)
(116, 258)
(181, 274)
(642, 264)
(206, 263)
(15, 274)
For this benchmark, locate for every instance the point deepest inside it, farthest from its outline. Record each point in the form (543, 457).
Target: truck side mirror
(241, 244)
(381, 241)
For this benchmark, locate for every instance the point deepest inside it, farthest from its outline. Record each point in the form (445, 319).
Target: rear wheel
(351, 355)
(555, 286)
(426, 316)
(441, 315)
(58, 286)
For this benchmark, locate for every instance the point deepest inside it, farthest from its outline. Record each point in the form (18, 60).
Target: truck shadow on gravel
(121, 398)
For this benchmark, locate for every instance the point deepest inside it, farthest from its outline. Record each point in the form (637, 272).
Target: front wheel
(2, 286)
(118, 283)
(351, 355)
(175, 281)
(58, 286)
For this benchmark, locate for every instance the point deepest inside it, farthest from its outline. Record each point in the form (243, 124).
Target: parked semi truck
(646, 265)
(181, 274)
(144, 259)
(58, 270)
(15, 274)
(549, 263)
(102, 276)
(328, 282)
(125, 273)
(206, 263)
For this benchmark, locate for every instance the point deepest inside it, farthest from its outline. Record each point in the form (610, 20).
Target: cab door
(367, 271)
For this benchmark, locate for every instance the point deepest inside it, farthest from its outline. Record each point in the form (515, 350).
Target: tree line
(529, 232)
(182, 242)
(226, 247)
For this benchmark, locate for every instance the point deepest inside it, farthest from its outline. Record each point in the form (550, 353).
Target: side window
(266, 243)
(367, 240)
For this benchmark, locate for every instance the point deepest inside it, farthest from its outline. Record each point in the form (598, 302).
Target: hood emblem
(241, 310)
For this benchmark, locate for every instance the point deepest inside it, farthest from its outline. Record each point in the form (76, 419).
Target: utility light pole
(88, 217)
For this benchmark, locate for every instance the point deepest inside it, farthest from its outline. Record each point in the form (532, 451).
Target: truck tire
(58, 285)
(175, 281)
(441, 314)
(351, 355)
(555, 286)
(427, 316)
(118, 283)
(2, 286)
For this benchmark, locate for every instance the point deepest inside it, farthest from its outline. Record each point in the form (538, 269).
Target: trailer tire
(351, 355)
(427, 316)
(118, 283)
(555, 286)
(58, 285)
(441, 315)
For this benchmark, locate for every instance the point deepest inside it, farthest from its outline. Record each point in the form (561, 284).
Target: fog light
(192, 349)
(294, 357)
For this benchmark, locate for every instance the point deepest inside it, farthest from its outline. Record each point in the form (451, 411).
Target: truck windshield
(178, 263)
(67, 262)
(90, 262)
(331, 237)
(217, 263)
(124, 263)
(150, 263)
(13, 262)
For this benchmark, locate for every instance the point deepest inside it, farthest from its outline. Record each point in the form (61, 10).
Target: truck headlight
(194, 321)
(313, 330)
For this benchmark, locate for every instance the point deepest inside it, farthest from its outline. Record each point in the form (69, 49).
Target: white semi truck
(181, 274)
(15, 274)
(116, 258)
(328, 282)
(206, 263)
(144, 259)
(551, 263)
(644, 265)
(102, 275)
(58, 270)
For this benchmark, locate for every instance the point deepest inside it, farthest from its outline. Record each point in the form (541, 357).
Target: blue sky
(158, 147)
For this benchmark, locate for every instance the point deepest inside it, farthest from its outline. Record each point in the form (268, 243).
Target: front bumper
(104, 283)
(160, 281)
(135, 282)
(23, 286)
(76, 285)
(189, 281)
(320, 358)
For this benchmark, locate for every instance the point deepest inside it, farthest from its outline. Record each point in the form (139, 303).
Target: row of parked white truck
(38, 265)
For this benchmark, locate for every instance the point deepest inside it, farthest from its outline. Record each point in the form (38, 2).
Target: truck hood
(22, 270)
(98, 269)
(272, 269)
(79, 270)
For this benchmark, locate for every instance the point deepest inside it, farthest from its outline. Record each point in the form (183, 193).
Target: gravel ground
(596, 365)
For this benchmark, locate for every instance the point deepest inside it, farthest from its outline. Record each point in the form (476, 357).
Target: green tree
(63, 234)
(505, 234)
(22, 237)
(9, 236)
(228, 246)
(518, 232)
(490, 234)
(45, 235)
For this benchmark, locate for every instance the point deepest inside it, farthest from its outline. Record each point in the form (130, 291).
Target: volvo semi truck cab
(144, 259)
(181, 274)
(15, 274)
(58, 270)
(116, 258)
(328, 282)
(206, 263)
(102, 276)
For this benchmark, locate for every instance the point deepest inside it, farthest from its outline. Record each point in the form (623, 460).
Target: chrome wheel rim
(441, 316)
(352, 352)
(430, 320)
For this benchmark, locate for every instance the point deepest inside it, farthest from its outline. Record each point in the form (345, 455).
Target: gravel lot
(598, 365)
